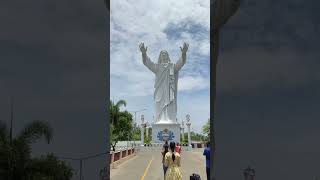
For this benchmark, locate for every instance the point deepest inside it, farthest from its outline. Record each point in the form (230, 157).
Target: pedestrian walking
(165, 149)
(172, 161)
(178, 148)
(206, 153)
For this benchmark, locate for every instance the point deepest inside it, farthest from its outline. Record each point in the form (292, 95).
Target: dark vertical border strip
(107, 100)
(212, 94)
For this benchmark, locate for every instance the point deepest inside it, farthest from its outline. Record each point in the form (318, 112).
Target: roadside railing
(121, 154)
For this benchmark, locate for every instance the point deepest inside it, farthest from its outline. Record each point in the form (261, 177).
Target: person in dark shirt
(206, 153)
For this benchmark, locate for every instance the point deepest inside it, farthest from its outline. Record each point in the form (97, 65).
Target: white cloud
(188, 83)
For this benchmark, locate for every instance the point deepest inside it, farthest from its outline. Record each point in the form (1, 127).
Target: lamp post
(142, 130)
(135, 120)
(188, 124)
(135, 113)
(182, 128)
(147, 130)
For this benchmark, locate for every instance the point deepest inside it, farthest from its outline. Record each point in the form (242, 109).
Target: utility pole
(142, 130)
(11, 118)
(188, 125)
(82, 159)
(10, 136)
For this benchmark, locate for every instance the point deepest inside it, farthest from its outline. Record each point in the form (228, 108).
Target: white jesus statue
(166, 83)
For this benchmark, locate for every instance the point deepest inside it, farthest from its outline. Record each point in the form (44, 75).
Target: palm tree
(15, 153)
(120, 123)
(115, 111)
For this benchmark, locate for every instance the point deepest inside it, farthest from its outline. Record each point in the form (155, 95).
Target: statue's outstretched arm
(183, 57)
(146, 60)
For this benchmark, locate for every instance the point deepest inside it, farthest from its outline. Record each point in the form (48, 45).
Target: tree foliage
(50, 168)
(115, 110)
(147, 139)
(206, 130)
(194, 137)
(15, 154)
(136, 133)
(121, 123)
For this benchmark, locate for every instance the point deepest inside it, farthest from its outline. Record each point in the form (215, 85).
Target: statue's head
(163, 57)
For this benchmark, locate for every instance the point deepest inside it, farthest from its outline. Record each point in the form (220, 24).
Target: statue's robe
(166, 86)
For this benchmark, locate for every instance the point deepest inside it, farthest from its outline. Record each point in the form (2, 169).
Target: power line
(81, 159)
(85, 157)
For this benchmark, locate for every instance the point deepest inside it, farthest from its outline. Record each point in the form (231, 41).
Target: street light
(135, 113)
(135, 120)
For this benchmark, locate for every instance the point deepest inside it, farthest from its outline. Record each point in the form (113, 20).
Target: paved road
(147, 166)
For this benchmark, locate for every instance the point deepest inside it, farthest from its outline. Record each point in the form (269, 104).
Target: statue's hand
(184, 49)
(142, 48)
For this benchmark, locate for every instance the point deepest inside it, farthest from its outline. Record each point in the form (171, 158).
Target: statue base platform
(165, 131)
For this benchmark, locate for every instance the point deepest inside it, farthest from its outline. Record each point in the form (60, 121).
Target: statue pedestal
(162, 132)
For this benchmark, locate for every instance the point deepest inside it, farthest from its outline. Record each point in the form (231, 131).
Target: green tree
(50, 168)
(206, 130)
(196, 136)
(15, 153)
(136, 133)
(115, 110)
(121, 123)
(185, 138)
(147, 140)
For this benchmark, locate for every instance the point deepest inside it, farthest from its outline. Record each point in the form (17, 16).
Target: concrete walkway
(147, 166)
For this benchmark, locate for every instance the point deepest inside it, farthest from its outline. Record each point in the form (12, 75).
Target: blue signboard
(165, 135)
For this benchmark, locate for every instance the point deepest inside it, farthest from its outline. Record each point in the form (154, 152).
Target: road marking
(117, 169)
(125, 162)
(146, 171)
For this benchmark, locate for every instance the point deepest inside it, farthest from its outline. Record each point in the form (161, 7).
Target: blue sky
(162, 25)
